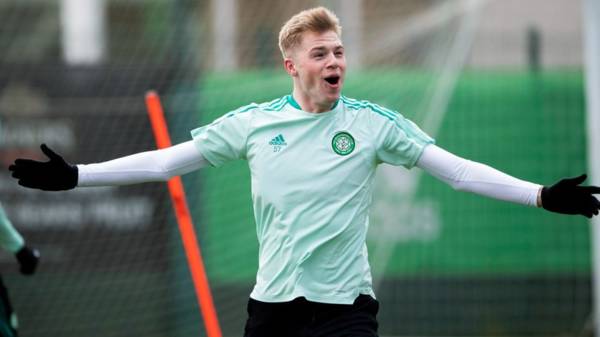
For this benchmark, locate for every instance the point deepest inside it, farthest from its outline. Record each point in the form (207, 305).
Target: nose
(332, 61)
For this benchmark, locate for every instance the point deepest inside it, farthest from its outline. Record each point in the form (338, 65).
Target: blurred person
(312, 157)
(27, 258)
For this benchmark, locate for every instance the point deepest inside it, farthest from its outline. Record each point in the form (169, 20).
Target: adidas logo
(278, 141)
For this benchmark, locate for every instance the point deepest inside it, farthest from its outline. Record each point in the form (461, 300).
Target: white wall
(501, 36)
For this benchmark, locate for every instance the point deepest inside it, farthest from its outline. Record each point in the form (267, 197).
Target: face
(318, 67)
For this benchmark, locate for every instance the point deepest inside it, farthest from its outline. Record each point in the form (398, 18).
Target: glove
(28, 259)
(567, 197)
(53, 175)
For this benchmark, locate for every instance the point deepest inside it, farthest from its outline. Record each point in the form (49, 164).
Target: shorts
(302, 318)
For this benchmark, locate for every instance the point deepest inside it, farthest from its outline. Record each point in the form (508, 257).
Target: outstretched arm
(564, 197)
(159, 165)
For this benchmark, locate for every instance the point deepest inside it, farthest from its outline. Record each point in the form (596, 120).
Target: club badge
(343, 143)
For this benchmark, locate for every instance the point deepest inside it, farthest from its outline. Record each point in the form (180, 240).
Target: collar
(292, 101)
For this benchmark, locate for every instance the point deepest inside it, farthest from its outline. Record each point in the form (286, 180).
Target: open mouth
(333, 80)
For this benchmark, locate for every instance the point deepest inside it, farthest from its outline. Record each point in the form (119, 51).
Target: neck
(310, 106)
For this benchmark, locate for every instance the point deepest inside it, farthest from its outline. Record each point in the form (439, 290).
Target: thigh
(289, 319)
(356, 320)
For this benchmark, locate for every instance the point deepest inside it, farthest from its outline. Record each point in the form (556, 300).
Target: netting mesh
(444, 262)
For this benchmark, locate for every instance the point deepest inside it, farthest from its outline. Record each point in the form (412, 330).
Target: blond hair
(318, 20)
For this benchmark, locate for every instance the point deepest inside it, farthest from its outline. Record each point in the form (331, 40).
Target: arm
(565, 196)
(466, 175)
(56, 174)
(158, 165)
(12, 241)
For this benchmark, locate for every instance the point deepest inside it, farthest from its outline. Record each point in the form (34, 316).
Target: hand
(28, 260)
(567, 197)
(53, 175)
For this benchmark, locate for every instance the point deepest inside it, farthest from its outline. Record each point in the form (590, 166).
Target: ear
(290, 67)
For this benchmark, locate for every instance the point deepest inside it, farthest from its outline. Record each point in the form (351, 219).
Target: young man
(28, 258)
(312, 157)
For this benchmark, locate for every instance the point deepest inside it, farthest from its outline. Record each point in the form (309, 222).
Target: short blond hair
(318, 20)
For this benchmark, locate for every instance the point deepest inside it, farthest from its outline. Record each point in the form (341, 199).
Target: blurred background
(499, 82)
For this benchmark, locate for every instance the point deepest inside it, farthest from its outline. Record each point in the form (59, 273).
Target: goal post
(591, 25)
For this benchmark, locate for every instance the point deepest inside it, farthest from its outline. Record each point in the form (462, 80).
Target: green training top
(312, 183)
(10, 239)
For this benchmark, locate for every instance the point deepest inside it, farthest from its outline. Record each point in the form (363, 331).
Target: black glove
(53, 175)
(567, 197)
(28, 260)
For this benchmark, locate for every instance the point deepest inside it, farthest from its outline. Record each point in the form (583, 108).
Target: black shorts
(302, 318)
